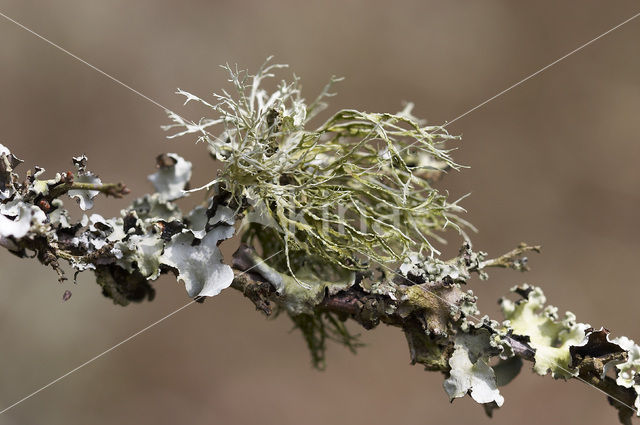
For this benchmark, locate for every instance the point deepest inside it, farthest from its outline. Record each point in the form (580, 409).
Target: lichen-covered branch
(513, 259)
(338, 223)
(433, 315)
(117, 190)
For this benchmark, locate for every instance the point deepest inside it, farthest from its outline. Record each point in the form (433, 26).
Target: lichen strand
(353, 190)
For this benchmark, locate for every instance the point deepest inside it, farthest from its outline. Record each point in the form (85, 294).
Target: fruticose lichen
(337, 221)
(346, 192)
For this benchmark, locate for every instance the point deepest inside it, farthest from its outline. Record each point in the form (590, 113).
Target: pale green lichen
(549, 335)
(200, 265)
(629, 371)
(297, 299)
(141, 253)
(317, 328)
(352, 190)
(470, 370)
(84, 197)
(172, 177)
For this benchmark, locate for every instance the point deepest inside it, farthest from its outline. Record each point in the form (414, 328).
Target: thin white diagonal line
(121, 342)
(530, 76)
(577, 49)
(95, 68)
(480, 105)
(96, 357)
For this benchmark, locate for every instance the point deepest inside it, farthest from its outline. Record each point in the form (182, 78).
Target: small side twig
(514, 259)
(117, 190)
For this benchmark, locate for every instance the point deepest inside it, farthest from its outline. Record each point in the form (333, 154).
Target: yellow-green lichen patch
(548, 335)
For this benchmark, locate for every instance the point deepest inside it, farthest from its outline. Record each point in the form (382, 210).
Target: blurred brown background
(554, 161)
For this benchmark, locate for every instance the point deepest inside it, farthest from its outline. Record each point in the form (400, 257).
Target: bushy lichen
(353, 190)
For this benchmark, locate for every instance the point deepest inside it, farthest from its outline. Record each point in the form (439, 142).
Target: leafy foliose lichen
(149, 238)
(173, 176)
(628, 374)
(549, 335)
(470, 370)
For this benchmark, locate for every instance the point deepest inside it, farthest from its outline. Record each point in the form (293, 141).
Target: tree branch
(422, 319)
(116, 190)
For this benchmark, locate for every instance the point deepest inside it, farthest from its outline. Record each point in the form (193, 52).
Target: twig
(513, 259)
(117, 190)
